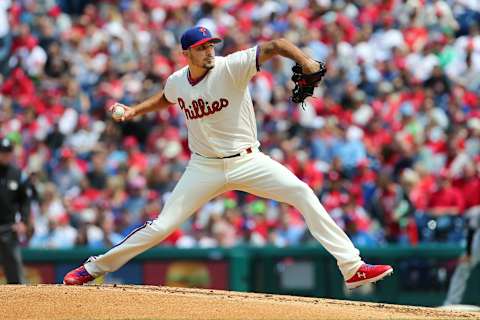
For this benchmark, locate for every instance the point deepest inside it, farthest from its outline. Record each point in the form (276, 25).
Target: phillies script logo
(200, 108)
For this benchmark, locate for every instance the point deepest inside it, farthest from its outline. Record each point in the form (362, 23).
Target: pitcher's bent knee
(303, 189)
(161, 228)
(300, 192)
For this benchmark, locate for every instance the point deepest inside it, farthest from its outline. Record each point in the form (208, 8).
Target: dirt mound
(148, 302)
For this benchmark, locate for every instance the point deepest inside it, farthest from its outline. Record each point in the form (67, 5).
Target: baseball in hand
(118, 112)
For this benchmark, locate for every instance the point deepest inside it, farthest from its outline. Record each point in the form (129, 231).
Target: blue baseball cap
(196, 36)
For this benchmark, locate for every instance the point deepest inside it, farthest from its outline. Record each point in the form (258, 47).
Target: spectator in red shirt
(443, 213)
(331, 198)
(446, 199)
(469, 185)
(385, 205)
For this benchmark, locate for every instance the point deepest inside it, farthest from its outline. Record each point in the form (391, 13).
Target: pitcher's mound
(52, 302)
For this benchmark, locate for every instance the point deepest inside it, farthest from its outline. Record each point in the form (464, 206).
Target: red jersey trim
(195, 81)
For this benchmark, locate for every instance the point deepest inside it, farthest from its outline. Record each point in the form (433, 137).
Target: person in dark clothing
(468, 262)
(55, 138)
(97, 177)
(15, 192)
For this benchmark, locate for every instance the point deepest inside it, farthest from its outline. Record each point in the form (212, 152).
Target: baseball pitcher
(212, 92)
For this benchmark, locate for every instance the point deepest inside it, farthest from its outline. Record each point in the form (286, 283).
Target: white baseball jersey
(218, 107)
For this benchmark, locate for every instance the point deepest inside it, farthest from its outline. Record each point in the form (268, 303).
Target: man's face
(5, 157)
(202, 56)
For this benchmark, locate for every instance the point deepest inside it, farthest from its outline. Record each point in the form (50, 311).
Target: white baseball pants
(204, 179)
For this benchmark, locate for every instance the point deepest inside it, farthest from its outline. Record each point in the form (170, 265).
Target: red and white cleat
(368, 273)
(77, 277)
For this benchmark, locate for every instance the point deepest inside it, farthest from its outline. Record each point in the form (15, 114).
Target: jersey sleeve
(242, 65)
(169, 91)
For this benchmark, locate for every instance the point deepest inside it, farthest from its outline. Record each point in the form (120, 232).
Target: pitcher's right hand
(121, 112)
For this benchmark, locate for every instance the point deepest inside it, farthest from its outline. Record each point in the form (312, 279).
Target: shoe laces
(368, 266)
(83, 273)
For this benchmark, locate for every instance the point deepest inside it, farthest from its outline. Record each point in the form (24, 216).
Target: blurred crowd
(390, 144)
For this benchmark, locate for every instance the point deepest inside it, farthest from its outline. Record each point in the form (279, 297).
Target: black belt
(248, 150)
